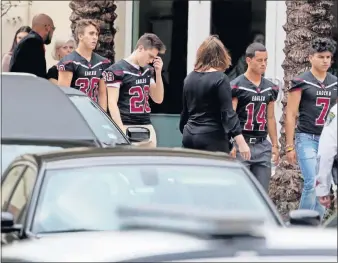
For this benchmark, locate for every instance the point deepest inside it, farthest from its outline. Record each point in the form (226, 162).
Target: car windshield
(101, 125)
(10, 151)
(87, 198)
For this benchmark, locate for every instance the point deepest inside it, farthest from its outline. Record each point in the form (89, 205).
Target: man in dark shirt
(253, 100)
(82, 69)
(311, 96)
(29, 54)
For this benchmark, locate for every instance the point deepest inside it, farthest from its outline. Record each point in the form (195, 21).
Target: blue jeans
(306, 150)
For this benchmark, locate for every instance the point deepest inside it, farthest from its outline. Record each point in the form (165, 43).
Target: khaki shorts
(152, 143)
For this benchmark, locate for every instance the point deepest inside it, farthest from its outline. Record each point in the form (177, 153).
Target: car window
(7, 186)
(22, 192)
(10, 151)
(101, 125)
(87, 197)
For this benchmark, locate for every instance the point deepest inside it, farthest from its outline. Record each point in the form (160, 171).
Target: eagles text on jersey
(252, 104)
(316, 101)
(86, 75)
(134, 87)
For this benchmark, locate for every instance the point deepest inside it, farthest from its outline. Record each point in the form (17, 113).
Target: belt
(254, 140)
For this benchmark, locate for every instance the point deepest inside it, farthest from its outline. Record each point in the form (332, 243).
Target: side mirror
(304, 217)
(7, 223)
(138, 134)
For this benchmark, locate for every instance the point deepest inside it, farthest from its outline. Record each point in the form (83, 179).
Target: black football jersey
(134, 86)
(316, 101)
(86, 75)
(253, 104)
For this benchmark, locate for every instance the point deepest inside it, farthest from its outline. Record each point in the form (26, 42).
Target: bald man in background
(29, 54)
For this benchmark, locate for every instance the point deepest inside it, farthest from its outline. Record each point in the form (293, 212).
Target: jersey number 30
(139, 100)
(260, 118)
(88, 87)
(325, 103)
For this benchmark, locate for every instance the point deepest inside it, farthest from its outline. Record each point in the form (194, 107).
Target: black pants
(212, 141)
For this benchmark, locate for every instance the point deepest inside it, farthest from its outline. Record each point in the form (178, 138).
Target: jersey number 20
(260, 118)
(88, 87)
(139, 101)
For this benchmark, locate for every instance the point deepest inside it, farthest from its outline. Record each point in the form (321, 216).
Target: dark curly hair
(321, 44)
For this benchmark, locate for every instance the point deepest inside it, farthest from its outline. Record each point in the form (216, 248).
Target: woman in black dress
(61, 49)
(207, 117)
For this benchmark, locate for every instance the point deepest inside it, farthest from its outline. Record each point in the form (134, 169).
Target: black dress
(208, 117)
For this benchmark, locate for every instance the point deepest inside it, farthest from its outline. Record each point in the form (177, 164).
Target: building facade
(182, 25)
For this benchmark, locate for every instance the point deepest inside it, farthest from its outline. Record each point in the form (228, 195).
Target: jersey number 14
(260, 117)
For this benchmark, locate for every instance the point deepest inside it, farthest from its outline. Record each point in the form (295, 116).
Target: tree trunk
(305, 21)
(103, 12)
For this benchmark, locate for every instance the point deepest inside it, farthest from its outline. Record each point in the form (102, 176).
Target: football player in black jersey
(130, 82)
(82, 69)
(253, 100)
(311, 96)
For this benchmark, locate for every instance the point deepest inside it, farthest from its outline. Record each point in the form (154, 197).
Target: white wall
(198, 28)
(60, 12)
(275, 36)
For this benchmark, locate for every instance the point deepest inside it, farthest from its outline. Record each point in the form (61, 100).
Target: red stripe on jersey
(118, 72)
(234, 86)
(275, 87)
(298, 79)
(67, 62)
(106, 61)
(295, 89)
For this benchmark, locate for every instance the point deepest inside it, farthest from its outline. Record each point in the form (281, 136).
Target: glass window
(87, 197)
(169, 21)
(22, 193)
(249, 17)
(7, 186)
(101, 125)
(10, 151)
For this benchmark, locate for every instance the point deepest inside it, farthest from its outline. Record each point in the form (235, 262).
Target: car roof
(113, 246)
(87, 152)
(35, 109)
(72, 91)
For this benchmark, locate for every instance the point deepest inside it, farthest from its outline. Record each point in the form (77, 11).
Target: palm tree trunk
(103, 12)
(305, 21)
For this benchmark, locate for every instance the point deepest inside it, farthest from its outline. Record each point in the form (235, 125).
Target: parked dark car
(37, 116)
(181, 234)
(80, 189)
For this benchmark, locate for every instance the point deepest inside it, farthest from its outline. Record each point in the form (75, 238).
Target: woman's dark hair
(212, 54)
(26, 29)
(321, 44)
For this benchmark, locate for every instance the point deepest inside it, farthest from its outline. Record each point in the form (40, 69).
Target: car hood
(116, 246)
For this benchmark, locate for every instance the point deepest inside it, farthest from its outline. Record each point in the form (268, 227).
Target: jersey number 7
(260, 117)
(325, 103)
(139, 100)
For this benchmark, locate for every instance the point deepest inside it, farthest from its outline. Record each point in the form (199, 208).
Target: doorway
(169, 21)
(236, 22)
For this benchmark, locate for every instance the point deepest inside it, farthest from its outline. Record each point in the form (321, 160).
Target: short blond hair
(60, 43)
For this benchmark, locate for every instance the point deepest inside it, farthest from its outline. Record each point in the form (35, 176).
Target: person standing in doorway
(207, 116)
(254, 101)
(311, 96)
(19, 35)
(29, 55)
